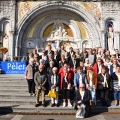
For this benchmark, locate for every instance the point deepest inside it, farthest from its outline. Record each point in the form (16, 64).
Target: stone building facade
(25, 25)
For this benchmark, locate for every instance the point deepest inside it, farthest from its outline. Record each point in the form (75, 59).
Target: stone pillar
(11, 44)
(1, 33)
(103, 39)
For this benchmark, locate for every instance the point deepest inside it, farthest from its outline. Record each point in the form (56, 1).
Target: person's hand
(78, 107)
(79, 102)
(102, 83)
(75, 70)
(87, 86)
(53, 86)
(75, 87)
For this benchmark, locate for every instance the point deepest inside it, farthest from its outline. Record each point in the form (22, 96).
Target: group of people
(83, 74)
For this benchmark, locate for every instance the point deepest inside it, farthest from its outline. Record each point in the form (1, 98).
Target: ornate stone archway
(42, 13)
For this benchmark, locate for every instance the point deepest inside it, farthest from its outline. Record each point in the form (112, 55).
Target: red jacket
(95, 68)
(69, 78)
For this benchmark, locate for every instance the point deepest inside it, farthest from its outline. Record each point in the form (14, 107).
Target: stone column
(11, 44)
(103, 39)
(1, 33)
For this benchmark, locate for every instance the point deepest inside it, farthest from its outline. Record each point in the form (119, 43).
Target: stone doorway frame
(46, 6)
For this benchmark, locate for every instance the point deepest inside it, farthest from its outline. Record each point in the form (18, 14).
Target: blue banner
(13, 67)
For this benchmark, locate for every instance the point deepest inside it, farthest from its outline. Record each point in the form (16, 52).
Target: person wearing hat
(92, 81)
(104, 85)
(53, 80)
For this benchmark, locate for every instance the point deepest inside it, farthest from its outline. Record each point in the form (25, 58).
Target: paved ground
(58, 117)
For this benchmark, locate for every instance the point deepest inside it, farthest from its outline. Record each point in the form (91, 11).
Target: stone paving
(58, 117)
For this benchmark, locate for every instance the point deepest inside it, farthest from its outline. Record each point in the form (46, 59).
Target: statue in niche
(58, 30)
(6, 35)
(110, 39)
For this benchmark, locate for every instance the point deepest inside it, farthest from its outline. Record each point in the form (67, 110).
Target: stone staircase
(14, 97)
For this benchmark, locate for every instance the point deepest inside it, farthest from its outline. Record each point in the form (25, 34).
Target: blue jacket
(76, 79)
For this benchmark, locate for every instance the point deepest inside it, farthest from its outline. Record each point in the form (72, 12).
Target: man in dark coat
(83, 97)
(49, 50)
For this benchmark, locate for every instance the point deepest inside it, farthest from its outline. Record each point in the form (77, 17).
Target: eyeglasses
(99, 61)
(40, 68)
(81, 87)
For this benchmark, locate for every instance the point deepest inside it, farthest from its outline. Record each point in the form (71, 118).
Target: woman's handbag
(52, 94)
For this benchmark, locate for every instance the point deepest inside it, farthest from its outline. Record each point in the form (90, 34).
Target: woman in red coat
(65, 85)
(97, 67)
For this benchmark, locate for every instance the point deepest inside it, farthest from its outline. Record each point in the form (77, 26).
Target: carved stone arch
(2, 22)
(54, 6)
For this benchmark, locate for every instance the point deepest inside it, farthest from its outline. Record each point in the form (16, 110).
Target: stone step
(12, 83)
(20, 95)
(10, 108)
(13, 80)
(13, 90)
(31, 108)
(31, 100)
(13, 87)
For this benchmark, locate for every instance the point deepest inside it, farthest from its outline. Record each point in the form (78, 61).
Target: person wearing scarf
(116, 85)
(80, 78)
(83, 97)
(65, 85)
(53, 80)
(92, 81)
(104, 85)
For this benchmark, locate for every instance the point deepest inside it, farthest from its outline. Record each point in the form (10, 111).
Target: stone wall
(7, 13)
(110, 12)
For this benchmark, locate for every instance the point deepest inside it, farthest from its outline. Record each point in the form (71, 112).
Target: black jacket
(86, 97)
(101, 79)
(51, 52)
(71, 64)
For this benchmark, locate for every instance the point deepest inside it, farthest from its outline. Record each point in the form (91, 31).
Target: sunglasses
(81, 87)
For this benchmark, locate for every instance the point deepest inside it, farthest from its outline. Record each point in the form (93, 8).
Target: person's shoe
(116, 104)
(64, 104)
(107, 105)
(69, 105)
(57, 105)
(36, 105)
(33, 94)
(52, 105)
(80, 116)
(43, 105)
(30, 94)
